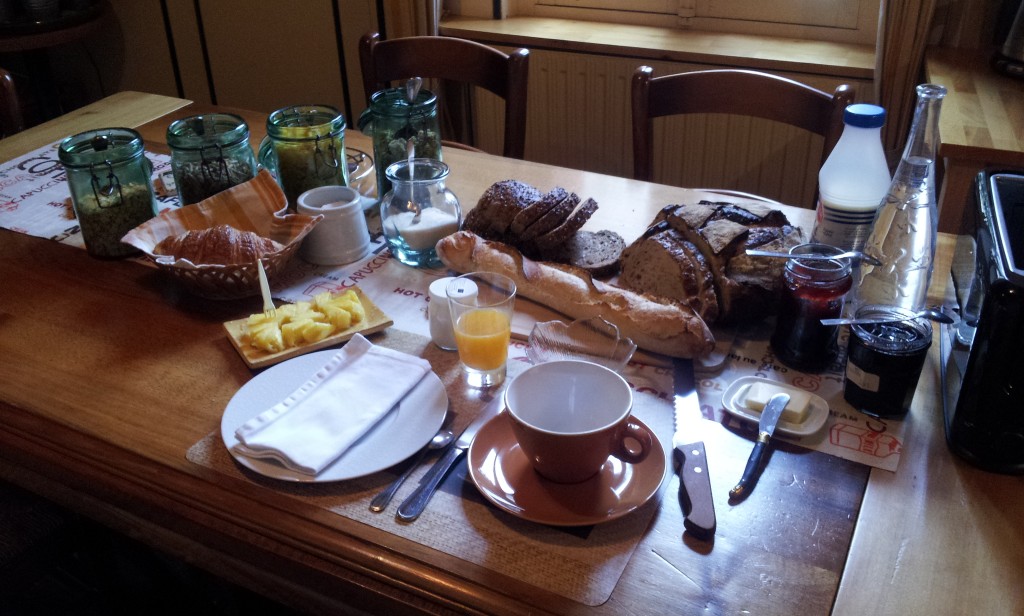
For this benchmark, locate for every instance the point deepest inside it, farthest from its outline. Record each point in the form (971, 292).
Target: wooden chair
(11, 120)
(737, 92)
(452, 59)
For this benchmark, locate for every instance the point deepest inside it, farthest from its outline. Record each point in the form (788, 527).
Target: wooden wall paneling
(132, 53)
(264, 56)
(357, 18)
(188, 50)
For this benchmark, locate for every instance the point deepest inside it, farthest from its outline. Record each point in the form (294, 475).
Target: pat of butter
(796, 409)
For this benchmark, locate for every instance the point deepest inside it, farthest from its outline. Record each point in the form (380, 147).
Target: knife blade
(766, 427)
(415, 503)
(690, 457)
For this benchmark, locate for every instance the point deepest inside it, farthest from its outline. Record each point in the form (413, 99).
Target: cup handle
(639, 433)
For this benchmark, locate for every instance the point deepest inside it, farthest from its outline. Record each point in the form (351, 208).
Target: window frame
(857, 25)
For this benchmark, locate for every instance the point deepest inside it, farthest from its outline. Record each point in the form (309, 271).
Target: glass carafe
(305, 148)
(393, 121)
(905, 227)
(209, 153)
(418, 210)
(111, 187)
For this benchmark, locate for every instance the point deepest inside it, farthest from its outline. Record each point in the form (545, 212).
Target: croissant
(220, 245)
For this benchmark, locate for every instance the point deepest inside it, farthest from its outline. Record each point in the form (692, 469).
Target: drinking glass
(481, 306)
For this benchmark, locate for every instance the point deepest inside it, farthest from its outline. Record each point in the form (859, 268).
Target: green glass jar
(209, 153)
(305, 148)
(392, 122)
(111, 186)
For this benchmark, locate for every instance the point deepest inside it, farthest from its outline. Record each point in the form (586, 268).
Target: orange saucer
(504, 475)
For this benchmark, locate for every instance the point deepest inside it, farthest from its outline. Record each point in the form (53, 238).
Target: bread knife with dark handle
(766, 427)
(690, 458)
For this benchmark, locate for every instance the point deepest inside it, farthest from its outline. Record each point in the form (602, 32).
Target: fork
(269, 309)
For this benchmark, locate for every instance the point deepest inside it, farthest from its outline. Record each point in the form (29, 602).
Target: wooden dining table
(110, 374)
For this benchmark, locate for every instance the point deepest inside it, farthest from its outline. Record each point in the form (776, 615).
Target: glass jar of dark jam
(884, 361)
(812, 289)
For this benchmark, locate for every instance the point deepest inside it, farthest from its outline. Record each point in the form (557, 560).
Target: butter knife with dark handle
(766, 427)
(415, 503)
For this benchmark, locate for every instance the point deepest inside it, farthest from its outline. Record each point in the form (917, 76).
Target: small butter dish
(736, 403)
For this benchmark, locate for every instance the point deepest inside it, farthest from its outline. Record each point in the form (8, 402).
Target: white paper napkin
(341, 402)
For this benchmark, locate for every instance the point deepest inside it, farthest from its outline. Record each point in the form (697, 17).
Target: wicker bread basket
(259, 206)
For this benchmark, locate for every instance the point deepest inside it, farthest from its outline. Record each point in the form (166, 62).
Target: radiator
(579, 117)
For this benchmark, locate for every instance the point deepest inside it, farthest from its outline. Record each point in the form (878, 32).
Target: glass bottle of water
(904, 231)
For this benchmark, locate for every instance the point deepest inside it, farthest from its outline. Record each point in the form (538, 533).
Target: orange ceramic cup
(569, 416)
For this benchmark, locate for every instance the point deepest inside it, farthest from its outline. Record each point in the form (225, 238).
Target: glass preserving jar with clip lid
(305, 148)
(395, 117)
(209, 153)
(111, 186)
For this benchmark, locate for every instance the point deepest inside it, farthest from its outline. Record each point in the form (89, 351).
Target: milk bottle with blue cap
(853, 181)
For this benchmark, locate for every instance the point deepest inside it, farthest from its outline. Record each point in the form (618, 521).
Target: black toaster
(983, 377)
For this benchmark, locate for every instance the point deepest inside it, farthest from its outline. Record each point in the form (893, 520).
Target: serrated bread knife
(766, 427)
(689, 457)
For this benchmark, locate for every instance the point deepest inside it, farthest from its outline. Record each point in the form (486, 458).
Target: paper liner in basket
(258, 206)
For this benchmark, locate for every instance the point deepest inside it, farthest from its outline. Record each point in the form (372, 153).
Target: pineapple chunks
(301, 323)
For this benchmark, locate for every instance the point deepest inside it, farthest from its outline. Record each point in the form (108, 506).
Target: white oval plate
(736, 393)
(398, 435)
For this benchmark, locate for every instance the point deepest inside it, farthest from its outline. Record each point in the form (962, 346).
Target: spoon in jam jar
(932, 314)
(856, 255)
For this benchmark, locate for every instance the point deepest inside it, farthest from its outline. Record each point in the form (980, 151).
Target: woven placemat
(579, 563)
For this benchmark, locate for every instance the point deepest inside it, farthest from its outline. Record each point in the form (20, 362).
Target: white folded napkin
(341, 402)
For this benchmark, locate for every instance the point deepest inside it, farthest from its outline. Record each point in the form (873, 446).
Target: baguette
(668, 328)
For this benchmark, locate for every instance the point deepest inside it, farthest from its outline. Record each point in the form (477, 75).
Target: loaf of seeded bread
(721, 232)
(661, 326)
(546, 226)
(498, 207)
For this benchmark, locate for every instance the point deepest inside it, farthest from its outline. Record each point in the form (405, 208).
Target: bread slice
(547, 242)
(535, 210)
(599, 253)
(667, 265)
(551, 219)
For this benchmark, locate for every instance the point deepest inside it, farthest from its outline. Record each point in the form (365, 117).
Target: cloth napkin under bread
(326, 415)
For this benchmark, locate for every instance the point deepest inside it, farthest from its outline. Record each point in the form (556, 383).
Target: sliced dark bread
(498, 206)
(597, 252)
(550, 220)
(535, 210)
(561, 234)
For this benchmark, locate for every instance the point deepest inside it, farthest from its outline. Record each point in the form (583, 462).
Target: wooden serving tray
(375, 321)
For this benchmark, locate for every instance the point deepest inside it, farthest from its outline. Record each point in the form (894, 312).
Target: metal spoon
(928, 313)
(856, 255)
(440, 441)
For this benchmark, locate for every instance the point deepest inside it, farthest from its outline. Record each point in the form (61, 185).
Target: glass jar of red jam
(812, 289)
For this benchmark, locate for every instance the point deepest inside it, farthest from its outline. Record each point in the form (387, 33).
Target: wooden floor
(54, 562)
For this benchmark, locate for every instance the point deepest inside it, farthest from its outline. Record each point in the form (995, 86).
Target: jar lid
(104, 145)
(863, 115)
(202, 131)
(392, 102)
(305, 122)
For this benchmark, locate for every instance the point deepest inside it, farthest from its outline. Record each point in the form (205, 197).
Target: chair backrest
(737, 92)
(453, 59)
(11, 120)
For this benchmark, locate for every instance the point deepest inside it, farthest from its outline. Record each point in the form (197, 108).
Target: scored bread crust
(669, 328)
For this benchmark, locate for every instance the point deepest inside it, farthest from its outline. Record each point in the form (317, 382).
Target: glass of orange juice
(481, 307)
